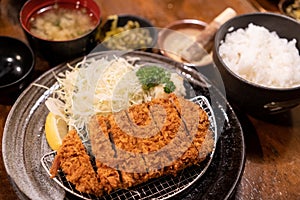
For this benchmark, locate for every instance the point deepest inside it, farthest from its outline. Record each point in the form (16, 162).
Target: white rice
(261, 57)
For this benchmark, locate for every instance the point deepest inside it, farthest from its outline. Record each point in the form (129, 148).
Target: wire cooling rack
(164, 187)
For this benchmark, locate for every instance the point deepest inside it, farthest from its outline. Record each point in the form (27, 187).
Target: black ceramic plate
(24, 143)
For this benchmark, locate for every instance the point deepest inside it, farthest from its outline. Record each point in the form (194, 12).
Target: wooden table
(272, 167)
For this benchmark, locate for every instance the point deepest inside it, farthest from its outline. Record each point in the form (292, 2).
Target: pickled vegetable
(129, 37)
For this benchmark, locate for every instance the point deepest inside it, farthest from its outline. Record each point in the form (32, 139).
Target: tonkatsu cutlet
(130, 147)
(75, 163)
(180, 127)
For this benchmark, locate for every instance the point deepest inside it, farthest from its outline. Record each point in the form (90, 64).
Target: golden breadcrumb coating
(130, 147)
(75, 163)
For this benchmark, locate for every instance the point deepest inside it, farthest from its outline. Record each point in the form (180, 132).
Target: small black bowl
(122, 20)
(254, 99)
(16, 67)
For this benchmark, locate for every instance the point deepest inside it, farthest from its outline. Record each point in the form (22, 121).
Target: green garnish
(151, 76)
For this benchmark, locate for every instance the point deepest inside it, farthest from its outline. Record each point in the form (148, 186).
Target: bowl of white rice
(258, 57)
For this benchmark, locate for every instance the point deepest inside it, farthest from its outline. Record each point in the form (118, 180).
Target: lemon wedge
(55, 129)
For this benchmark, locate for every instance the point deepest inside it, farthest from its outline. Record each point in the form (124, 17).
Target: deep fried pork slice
(129, 162)
(109, 177)
(112, 171)
(102, 146)
(103, 150)
(196, 125)
(183, 150)
(75, 163)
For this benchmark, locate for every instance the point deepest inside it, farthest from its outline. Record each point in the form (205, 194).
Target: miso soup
(62, 22)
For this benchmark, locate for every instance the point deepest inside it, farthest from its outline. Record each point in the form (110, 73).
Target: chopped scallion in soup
(61, 23)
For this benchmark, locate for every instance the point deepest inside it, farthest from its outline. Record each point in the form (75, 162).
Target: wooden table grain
(272, 167)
